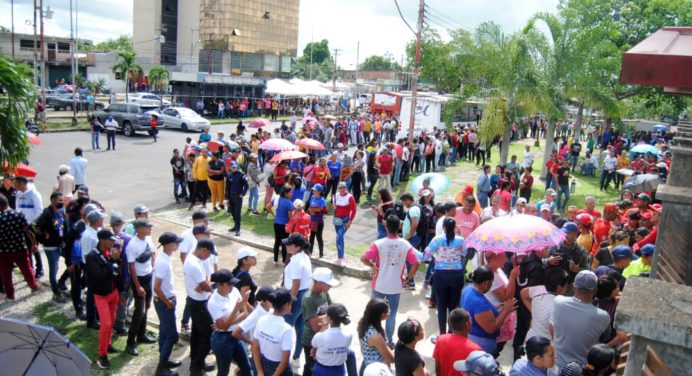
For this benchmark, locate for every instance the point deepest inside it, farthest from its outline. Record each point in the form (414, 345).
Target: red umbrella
(33, 139)
(259, 123)
(311, 144)
(285, 155)
(22, 170)
(214, 146)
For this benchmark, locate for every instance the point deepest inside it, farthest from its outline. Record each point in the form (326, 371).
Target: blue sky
(375, 23)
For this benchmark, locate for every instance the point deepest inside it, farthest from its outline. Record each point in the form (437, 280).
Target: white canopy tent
(296, 87)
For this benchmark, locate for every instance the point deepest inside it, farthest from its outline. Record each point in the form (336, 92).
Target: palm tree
(158, 77)
(17, 100)
(125, 67)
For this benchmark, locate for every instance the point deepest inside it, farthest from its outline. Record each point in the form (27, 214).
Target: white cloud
(375, 23)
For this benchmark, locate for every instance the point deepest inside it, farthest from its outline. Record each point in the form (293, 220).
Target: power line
(449, 20)
(402, 17)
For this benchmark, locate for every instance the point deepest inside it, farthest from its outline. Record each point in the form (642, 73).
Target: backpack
(423, 221)
(397, 210)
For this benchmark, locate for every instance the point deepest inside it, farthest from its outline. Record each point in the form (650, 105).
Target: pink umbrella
(309, 119)
(259, 123)
(518, 233)
(33, 139)
(311, 144)
(286, 155)
(277, 144)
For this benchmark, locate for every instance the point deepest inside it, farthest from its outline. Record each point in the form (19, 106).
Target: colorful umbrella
(518, 233)
(277, 144)
(311, 144)
(259, 123)
(33, 139)
(22, 170)
(286, 155)
(660, 127)
(645, 148)
(214, 146)
(438, 182)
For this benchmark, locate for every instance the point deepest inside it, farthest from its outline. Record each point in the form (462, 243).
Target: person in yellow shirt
(367, 127)
(623, 161)
(642, 264)
(200, 174)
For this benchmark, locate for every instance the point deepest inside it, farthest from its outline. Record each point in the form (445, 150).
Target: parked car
(185, 119)
(148, 99)
(131, 117)
(65, 102)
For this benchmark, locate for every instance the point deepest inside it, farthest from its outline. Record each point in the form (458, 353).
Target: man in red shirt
(590, 208)
(656, 210)
(455, 345)
(602, 226)
(385, 164)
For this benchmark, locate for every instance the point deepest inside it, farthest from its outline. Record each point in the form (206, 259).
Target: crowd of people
(555, 305)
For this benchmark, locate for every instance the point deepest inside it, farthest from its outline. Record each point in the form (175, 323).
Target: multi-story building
(217, 48)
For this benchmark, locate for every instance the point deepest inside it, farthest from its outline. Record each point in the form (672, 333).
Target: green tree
(437, 63)
(304, 70)
(125, 67)
(96, 87)
(121, 43)
(317, 52)
(158, 77)
(379, 63)
(17, 100)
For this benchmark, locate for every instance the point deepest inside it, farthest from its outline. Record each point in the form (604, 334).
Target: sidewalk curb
(66, 130)
(345, 270)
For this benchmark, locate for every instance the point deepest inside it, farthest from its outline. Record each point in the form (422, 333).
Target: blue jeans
(447, 285)
(270, 366)
(573, 161)
(381, 231)
(186, 315)
(340, 233)
(179, 188)
(415, 242)
(453, 155)
(53, 256)
(295, 319)
(226, 349)
(393, 300)
(483, 199)
(397, 171)
(95, 139)
(562, 190)
(168, 334)
(253, 198)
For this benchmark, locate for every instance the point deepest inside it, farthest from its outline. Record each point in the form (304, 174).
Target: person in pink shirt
(387, 258)
(505, 195)
(467, 219)
(385, 164)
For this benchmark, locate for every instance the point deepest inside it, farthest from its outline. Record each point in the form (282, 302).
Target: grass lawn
(87, 339)
(585, 185)
(262, 225)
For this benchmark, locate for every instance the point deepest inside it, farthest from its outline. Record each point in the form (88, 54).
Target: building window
(64, 47)
(28, 44)
(271, 63)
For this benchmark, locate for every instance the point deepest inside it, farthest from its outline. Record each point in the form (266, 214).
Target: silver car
(185, 119)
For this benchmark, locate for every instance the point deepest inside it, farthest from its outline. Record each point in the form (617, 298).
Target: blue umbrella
(660, 127)
(645, 148)
(438, 182)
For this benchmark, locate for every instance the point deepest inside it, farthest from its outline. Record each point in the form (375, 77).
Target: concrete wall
(146, 26)
(188, 36)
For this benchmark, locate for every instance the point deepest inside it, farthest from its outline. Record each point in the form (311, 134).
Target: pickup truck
(131, 117)
(64, 102)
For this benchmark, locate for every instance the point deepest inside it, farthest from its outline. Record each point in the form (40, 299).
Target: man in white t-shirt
(608, 171)
(387, 258)
(541, 299)
(198, 288)
(141, 254)
(528, 158)
(165, 301)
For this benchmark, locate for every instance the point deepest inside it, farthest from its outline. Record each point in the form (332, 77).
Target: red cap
(657, 207)
(468, 189)
(585, 220)
(646, 215)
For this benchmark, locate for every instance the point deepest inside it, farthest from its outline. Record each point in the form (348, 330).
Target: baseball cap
(141, 209)
(340, 145)
(317, 187)
(298, 204)
(325, 275)
(295, 239)
(570, 227)
(83, 189)
(233, 164)
(246, 252)
(377, 369)
(647, 250)
(224, 276)
(644, 196)
(208, 244)
(551, 192)
(94, 216)
(545, 208)
(478, 363)
(341, 184)
(116, 218)
(585, 280)
(141, 223)
(263, 293)
(522, 201)
(106, 235)
(657, 207)
(338, 312)
(468, 189)
(63, 168)
(585, 220)
(90, 208)
(21, 179)
(200, 229)
(622, 252)
(168, 238)
(646, 215)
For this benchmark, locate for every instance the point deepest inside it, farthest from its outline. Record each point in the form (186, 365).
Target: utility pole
(35, 43)
(416, 70)
(357, 60)
(43, 69)
(75, 92)
(12, 15)
(336, 53)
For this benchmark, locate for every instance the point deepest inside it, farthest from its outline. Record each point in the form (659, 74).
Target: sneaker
(410, 287)
(428, 295)
(59, 298)
(256, 213)
(103, 362)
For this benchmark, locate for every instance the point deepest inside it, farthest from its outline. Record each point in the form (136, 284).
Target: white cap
(246, 252)
(521, 200)
(325, 275)
(298, 204)
(377, 369)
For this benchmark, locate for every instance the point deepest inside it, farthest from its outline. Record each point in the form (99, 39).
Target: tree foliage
(316, 52)
(121, 43)
(17, 100)
(158, 77)
(126, 66)
(379, 63)
(306, 71)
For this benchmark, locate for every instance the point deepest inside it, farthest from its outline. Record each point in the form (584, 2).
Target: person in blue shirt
(298, 189)
(317, 207)
(335, 170)
(483, 187)
(284, 210)
(549, 200)
(449, 270)
(486, 320)
(297, 166)
(540, 357)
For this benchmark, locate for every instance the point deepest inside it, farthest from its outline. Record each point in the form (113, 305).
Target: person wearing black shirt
(562, 186)
(406, 359)
(51, 228)
(531, 273)
(7, 189)
(574, 151)
(179, 181)
(236, 187)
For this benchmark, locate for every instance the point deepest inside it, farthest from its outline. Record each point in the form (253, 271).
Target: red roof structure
(662, 59)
